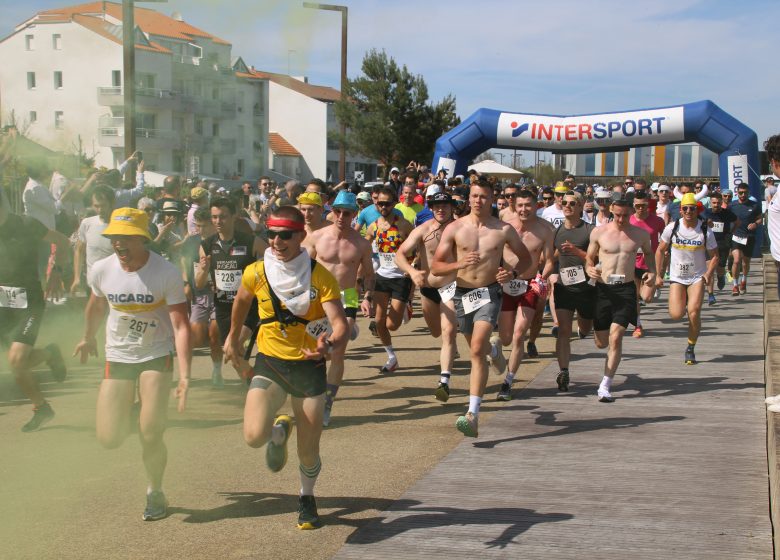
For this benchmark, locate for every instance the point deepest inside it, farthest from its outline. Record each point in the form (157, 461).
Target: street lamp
(342, 126)
(499, 154)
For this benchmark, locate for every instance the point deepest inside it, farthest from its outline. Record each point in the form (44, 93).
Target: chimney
(177, 16)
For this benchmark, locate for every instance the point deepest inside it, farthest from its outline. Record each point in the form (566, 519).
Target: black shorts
(615, 303)
(350, 312)
(583, 302)
(131, 372)
(432, 294)
(299, 378)
(746, 250)
(398, 288)
(222, 315)
(21, 325)
(639, 272)
(723, 254)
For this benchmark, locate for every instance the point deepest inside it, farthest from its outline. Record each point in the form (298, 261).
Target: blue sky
(553, 56)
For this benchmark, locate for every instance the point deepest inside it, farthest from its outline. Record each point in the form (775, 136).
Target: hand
(205, 263)
(593, 272)
(366, 308)
(181, 393)
(503, 275)
(233, 354)
(539, 285)
(648, 278)
(418, 277)
(141, 166)
(321, 350)
(166, 227)
(659, 281)
(471, 259)
(86, 348)
(751, 226)
(706, 277)
(54, 286)
(75, 286)
(568, 248)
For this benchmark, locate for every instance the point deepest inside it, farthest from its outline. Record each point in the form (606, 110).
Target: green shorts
(299, 378)
(349, 298)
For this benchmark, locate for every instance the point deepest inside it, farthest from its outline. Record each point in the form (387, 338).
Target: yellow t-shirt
(270, 341)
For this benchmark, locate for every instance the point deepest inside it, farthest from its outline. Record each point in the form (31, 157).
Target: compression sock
(735, 279)
(309, 477)
(741, 277)
(445, 377)
(510, 377)
(474, 403)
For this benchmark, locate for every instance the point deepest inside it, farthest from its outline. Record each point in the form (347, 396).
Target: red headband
(280, 222)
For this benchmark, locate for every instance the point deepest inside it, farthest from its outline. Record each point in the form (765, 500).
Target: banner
(738, 170)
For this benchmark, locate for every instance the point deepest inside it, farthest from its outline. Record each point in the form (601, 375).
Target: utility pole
(128, 78)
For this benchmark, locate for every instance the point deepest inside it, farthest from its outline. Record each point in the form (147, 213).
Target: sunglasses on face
(640, 206)
(384, 204)
(741, 193)
(547, 198)
(285, 235)
(569, 203)
(688, 209)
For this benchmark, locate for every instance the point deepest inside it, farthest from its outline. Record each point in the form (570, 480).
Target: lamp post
(499, 154)
(342, 126)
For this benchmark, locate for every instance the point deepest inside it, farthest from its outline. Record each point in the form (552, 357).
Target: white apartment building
(673, 160)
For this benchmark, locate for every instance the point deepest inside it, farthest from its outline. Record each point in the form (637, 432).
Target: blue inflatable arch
(702, 122)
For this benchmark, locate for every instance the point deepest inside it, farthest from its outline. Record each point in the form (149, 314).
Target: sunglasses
(547, 198)
(384, 204)
(740, 193)
(639, 206)
(688, 209)
(284, 235)
(569, 203)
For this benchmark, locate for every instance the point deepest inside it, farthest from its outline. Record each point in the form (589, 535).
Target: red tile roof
(99, 26)
(323, 93)
(280, 146)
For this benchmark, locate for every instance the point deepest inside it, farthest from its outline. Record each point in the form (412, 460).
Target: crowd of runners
(292, 270)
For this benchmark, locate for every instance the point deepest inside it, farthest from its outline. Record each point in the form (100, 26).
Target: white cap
(654, 187)
(602, 193)
(432, 190)
(665, 188)
(395, 170)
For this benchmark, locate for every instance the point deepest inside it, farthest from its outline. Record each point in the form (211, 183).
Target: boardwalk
(676, 468)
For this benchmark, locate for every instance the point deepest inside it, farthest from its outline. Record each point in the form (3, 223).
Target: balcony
(152, 98)
(145, 138)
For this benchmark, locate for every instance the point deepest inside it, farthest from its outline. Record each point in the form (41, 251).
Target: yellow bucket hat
(128, 221)
(688, 199)
(561, 188)
(310, 198)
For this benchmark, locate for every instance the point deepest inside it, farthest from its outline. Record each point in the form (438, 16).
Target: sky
(562, 57)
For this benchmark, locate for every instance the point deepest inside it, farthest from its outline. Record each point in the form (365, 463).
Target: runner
(522, 296)
(744, 237)
(691, 242)
(342, 251)
(91, 245)
(472, 247)
(392, 286)
(223, 258)
(647, 220)
(721, 221)
(147, 319)
(437, 305)
(295, 295)
(554, 212)
(22, 304)
(310, 205)
(573, 291)
(614, 246)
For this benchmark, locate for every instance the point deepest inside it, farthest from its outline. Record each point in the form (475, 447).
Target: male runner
(91, 245)
(522, 295)
(510, 191)
(614, 246)
(472, 247)
(310, 205)
(647, 220)
(689, 270)
(574, 291)
(147, 319)
(437, 305)
(744, 237)
(721, 222)
(392, 286)
(554, 212)
(301, 321)
(22, 304)
(342, 251)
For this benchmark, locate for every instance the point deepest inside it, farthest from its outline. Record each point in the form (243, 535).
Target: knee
(564, 329)
(18, 363)
(151, 436)
(392, 325)
(676, 314)
(256, 437)
(109, 440)
(693, 314)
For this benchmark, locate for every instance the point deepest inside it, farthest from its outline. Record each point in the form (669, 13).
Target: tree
(388, 116)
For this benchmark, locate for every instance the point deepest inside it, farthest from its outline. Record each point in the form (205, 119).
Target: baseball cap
(128, 221)
(346, 200)
(602, 193)
(561, 188)
(364, 195)
(688, 199)
(310, 198)
(666, 188)
(432, 190)
(440, 198)
(395, 170)
(198, 192)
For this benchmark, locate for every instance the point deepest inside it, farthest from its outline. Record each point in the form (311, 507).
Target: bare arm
(202, 275)
(444, 262)
(181, 336)
(660, 256)
(78, 257)
(93, 316)
(592, 256)
(238, 314)
(516, 244)
(410, 245)
(548, 253)
(62, 256)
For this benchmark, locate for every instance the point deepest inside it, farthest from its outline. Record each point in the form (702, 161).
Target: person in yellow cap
(310, 205)
(147, 321)
(691, 244)
(200, 199)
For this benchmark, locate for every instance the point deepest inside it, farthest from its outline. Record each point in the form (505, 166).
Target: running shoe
(773, 408)
(605, 396)
(546, 309)
(743, 287)
(711, 299)
(772, 400)
(156, 506)
(729, 277)
(499, 362)
(690, 357)
(308, 518)
(468, 425)
(554, 331)
(41, 415)
(372, 328)
(735, 291)
(56, 363)
(721, 282)
(216, 380)
(276, 454)
(638, 332)
(442, 392)
(390, 366)
(355, 332)
(563, 380)
(505, 393)
(580, 334)
(531, 350)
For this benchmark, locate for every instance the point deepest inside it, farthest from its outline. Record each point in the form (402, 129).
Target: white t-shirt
(139, 327)
(689, 257)
(97, 246)
(773, 213)
(553, 215)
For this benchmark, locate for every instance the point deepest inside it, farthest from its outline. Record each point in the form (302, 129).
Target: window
(199, 127)
(30, 80)
(56, 41)
(685, 154)
(178, 162)
(609, 163)
(33, 117)
(57, 79)
(29, 42)
(240, 167)
(58, 119)
(215, 130)
(116, 78)
(215, 165)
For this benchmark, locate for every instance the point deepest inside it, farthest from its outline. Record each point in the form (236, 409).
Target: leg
(524, 319)
(449, 330)
(259, 411)
(506, 325)
(395, 314)
(678, 295)
(431, 314)
(479, 344)
(21, 359)
(115, 398)
(563, 343)
(154, 389)
(695, 292)
(615, 351)
(381, 300)
(308, 416)
(736, 256)
(199, 334)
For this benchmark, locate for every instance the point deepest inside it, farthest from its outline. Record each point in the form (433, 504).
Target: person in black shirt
(22, 302)
(743, 238)
(721, 222)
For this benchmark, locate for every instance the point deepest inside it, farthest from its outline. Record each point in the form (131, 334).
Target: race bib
(317, 328)
(717, 227)
(387, 260)
(447, 292)
(572, 275)
(616, 279)
(14, 298)
(739, 240)
(685, 271)
(515, 287)
(228, 280)
(134, 330)
(475, 299)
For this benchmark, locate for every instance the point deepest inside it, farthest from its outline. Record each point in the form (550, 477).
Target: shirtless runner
(614, 246)
(473, 247)
(437, 291)
(342, 251)
(522, 295)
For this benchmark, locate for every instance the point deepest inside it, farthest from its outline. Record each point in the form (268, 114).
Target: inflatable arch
(702, 122)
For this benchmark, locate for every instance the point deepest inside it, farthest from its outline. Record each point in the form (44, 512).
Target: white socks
(445, 377)
(390, 352)
(510, 377)
(474, 403)
(606, 384)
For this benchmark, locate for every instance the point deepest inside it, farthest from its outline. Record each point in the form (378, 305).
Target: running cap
(666, 188)
(395, 170)
(346, 200)
(440, 198)
(128, 221)
(198, 193)
(654, 187)
(364, 195)
(688, 199)
(310, 198)
(603, 193)
(561, 188)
